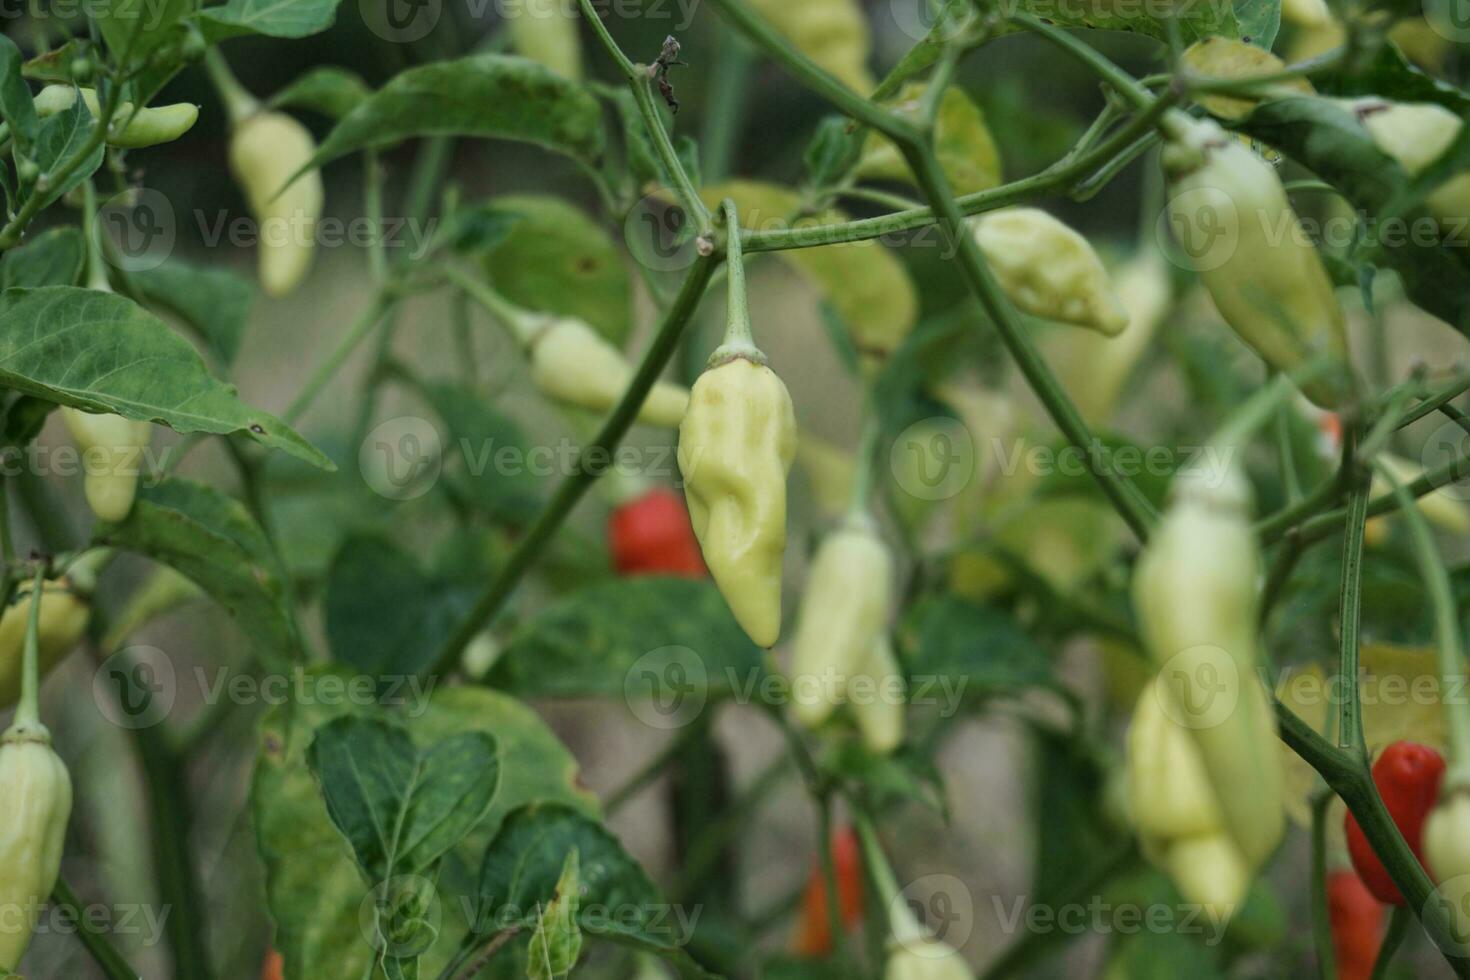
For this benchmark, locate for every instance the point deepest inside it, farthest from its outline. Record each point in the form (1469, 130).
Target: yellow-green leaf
(967, 151)
(833, 33)
(1229, 59)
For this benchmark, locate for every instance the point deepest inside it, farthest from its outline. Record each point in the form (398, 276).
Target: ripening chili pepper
(1416, 134)
(130, 130)
(926, 959)
(1231, 215)
(814, 933)
(63, 619)
(1049, 270)
(572, 362)
(651, 535)
(274, 966)
(266, 150)
(547, 31)
(1407, 775)
(112, 459)
(1357, 924)
(736, 445)
(35, 804)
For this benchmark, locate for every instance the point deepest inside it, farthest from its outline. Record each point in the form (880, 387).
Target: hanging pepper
(35, 804)
(651, 535)
(1407, 775)
(843, 614)
(546, 31)
(1175, 809)
(572, 362)
(736, 445)
(879, 707)
(266, 149)
(1049, 270)
(814, 933)
(1195, 591)
(64, 615)
(1231, 214)
(1416, 134)
(1447, 854)
(129, 130)
(112, 458)
(1357, 924)
(926, 959)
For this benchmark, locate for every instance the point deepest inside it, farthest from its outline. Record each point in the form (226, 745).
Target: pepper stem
(864, 469)
(28, 714)
(239, 103)
(901, 922)
(524, 324)
(737, 341)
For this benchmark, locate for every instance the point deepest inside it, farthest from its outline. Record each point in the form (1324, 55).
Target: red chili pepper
(1407, 775)
(814, 935)
(651, 535)
(274, 967)
(1357, 924)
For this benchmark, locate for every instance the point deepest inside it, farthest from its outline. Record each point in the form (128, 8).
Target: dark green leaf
(384, 614)
(55, 65)
(330, 90)
(213, 302)
(58, 139)
(632, 637)
(965, 650)
(101, 351)
(52, 258)
(557, 259)
(16, 107)
(1388, 75)
(274, 18)
(487, 95)
(212, 540)
(315, 892)
(401, 807)
(489, 458)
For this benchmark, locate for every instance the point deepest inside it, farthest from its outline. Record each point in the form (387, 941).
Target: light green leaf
(16, 107)
(275, 18)
(103, 352)
(213, 302)
(967, 152)
(57, 139)
(328, 89)
(557, 941)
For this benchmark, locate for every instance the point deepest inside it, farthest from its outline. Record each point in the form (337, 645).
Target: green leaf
(1389, 75)
(557, 941)
(832, 152)
(138, 28)
(556, 259)
(1327, 139)
(103, 352)
(55, 65)
(489, 459)
(213, 541)
(401, 807)
(520, 875)
(623, 637)
(965, 650)
(213, 302)
(966, 150)
(52, 258)
(384, 614)
(948, 22)
(58, 139)
(327, 89)
(315, 892)
(487, 95)
(16, 107)
(274, 18)
(1194, 20)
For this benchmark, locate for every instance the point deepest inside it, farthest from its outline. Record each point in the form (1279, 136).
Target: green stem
(1321, 526)
(582, 476)
(737, 340)
(1125, 84)
(523, 324)
(328, 368)
(104, 954)
(1126, 498)
(372, 205)
(650, 770)
(28, 714)
(829, 878)
(724, 111)
(1449, 644)
(1350, 603)
(1321, 915)
(1398, 927)
(239, 103)
(880, 873)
